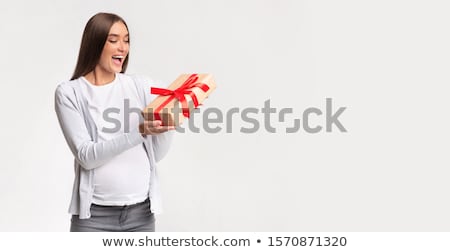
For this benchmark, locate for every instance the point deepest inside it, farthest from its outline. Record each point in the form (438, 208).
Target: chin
(117, 70)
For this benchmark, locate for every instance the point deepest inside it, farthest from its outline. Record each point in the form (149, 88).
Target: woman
(115, 150)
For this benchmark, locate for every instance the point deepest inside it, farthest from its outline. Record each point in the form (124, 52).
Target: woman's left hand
(153, 127)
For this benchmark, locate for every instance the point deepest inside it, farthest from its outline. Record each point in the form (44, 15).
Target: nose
(122, 46)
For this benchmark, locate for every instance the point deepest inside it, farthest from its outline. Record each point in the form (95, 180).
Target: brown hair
(94, 39)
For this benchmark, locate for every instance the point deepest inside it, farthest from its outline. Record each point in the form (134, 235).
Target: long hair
(94, 38)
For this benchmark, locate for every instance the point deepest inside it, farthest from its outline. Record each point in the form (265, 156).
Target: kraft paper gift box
(177, 101)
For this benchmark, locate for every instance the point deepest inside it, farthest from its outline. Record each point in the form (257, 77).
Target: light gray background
(386, 61)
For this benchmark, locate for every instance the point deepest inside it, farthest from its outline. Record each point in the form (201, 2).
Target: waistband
(122, 207)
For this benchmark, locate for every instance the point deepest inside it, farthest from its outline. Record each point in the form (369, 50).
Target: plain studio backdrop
(386, 62)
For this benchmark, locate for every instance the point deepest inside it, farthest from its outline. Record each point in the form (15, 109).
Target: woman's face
(115, 50)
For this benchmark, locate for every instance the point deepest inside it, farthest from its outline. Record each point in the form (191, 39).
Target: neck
(99, 77)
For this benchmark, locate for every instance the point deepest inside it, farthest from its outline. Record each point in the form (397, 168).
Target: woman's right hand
(153, 127)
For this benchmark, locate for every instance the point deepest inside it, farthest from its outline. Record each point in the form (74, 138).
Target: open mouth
(118, 59)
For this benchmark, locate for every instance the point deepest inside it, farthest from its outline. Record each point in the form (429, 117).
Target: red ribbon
(179, 94)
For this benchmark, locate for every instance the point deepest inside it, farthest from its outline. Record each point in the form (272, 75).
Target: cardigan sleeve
(88, 153)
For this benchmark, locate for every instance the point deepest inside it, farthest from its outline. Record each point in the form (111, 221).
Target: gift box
(176, 102)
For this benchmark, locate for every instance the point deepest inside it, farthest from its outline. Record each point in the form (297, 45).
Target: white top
(115, 109)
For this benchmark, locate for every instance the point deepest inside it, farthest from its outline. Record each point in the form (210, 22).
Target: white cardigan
(81, 135)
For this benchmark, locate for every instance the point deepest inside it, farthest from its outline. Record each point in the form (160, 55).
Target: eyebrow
(117, 35)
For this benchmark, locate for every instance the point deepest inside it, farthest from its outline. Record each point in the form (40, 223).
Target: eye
(112, 41)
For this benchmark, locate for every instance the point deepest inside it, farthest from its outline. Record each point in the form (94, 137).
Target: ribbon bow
(179, 94)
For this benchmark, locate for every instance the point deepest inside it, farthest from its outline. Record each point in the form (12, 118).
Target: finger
(166, 128)
(156, 123)
(163, 129)
(152, 124)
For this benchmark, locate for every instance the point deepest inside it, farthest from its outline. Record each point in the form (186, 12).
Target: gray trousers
(132, 218)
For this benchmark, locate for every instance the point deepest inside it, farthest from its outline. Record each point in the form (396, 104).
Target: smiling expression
(115, 50)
